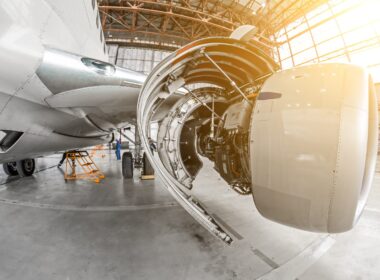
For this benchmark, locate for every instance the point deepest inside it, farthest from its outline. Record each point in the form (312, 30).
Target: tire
(127, 165)
(10, 168)
(147, 167)
(26, 167)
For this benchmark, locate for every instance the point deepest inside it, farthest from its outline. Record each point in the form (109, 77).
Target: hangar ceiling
(160, 24)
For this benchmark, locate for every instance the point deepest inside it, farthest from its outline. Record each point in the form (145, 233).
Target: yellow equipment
(147, 177)
(95, 150)
(89, 168)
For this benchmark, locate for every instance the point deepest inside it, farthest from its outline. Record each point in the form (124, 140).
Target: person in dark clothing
(62, 159)
(152, 145)
(118, 149)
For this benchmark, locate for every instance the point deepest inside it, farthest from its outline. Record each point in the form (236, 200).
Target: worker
(152, 145)
(64, 155)
(118, 149)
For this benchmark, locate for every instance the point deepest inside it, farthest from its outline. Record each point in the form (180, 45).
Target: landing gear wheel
(147, 167)
(127, 165)
(10, 168)
(26, 167)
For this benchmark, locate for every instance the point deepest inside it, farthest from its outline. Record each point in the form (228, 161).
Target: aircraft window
(97, 20)
(101, 36)
(93, 4)
(98, 66)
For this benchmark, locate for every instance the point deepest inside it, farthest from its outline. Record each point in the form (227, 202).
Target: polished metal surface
(62, 71)
(314, 148)
(56, 86)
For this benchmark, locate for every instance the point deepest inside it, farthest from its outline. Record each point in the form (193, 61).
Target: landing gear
(136, 159)
(10, 168)
(26, 167)
(127, 165)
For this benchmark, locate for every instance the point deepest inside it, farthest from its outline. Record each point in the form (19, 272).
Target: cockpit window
(98, 66)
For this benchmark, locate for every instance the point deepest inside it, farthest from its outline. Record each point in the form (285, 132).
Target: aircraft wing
(106, 94)
(57, 90)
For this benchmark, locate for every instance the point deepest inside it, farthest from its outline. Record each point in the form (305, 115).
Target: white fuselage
(48, 93)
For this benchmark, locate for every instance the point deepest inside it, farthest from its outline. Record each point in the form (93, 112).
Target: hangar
(192, 139)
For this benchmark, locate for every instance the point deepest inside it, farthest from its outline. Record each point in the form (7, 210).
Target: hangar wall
(136, 59)
(339, 30)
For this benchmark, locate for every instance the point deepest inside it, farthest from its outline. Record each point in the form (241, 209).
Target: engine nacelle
(303, 141)
(313, 144)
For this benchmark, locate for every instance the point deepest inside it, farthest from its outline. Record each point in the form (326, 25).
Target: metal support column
(137, 151)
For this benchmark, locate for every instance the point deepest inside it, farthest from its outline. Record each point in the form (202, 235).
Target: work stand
(89, 170)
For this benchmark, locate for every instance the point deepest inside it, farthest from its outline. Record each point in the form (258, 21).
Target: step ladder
(90, 170)
(95, 151)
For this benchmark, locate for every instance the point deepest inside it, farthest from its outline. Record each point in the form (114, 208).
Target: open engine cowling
(303, 141)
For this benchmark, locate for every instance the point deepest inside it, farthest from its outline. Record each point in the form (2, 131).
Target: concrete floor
(129, 229)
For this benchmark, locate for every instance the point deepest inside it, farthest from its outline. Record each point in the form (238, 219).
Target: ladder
(90, 170)
(95, 150)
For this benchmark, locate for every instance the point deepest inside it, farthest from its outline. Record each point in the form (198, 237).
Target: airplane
(302, 142)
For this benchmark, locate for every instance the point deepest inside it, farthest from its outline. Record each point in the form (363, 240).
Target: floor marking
(265, 258)
(88, 208)
(299, 264)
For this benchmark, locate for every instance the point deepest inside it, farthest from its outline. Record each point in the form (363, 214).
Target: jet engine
(302, 142)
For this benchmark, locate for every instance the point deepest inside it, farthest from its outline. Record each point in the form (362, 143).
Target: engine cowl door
(201, 72)
(313, 146)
